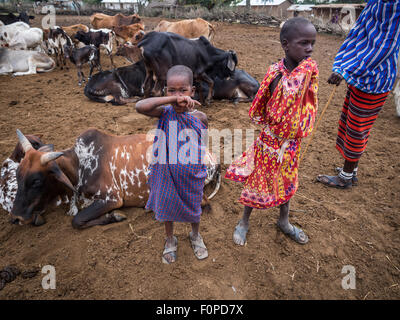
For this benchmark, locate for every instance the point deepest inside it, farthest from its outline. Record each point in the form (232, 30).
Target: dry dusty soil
(357, 227)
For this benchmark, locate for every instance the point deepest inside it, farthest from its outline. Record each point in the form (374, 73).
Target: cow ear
(60, 176)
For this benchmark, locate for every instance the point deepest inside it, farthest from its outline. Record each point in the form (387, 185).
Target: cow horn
(26, 145)
(47, 157)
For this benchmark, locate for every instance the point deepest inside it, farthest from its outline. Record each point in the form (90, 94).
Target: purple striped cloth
(176, 185)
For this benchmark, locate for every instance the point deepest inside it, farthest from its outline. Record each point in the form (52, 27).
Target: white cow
(23, 62)
(26, 39)
(8, 31)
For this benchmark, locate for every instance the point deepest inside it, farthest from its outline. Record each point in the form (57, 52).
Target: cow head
(137, 37)
(131, 53)
(68, 51)
(82, 36)
(4, 39)
(40, 180)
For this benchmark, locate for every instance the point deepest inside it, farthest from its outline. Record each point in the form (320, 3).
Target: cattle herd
(186, 42)
(102, 172)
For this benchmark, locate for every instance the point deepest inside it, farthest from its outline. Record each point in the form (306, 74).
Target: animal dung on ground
(29, 273)
(9, 273)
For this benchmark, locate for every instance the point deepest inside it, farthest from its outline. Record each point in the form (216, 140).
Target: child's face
(178, 85)
(301, 45)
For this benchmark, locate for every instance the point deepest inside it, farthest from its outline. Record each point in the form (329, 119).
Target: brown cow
(101, 20)
(191, 28)
(127, 33)
(99, 174)
(72, 30)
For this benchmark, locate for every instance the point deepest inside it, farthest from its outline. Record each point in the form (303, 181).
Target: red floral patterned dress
(269, 167)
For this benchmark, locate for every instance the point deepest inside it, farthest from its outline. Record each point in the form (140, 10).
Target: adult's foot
(240, 233)
(354, 179)
(334, 181)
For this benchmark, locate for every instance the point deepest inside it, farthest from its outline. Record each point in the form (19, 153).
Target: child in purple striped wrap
(176, 182)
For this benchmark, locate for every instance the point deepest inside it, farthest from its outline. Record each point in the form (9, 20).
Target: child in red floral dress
(286, 105)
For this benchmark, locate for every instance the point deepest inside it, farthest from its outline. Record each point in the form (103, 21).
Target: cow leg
(97, 214)
(91, 69)
(148, 83)
(31, 68)
(158, 87)
(111, 59)
(97, 59)
(203, 76)
(81, 77)
(56, 56)
(5, 69)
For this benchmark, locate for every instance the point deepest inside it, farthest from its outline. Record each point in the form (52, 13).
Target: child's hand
(185, 104)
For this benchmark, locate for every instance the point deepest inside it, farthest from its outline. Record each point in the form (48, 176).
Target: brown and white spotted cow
(99, 174)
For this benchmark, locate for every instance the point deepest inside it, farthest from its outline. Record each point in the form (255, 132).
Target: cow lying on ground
(190, 28)
(101, 20)
(99, 174)
(162, 50)
(117, 86)
(11, 18)
(24, 62)
(26, 39)
(8, 31)
(241, 87)
(8, 177)
(80, 56)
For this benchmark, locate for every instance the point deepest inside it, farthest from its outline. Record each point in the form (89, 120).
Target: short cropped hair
(292, 25)
(181, 70)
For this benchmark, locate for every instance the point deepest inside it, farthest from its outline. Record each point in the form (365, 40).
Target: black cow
(241, 87)
(11, 18)
(102, 38)
(117, 85)
(87, 54)
(162, 50)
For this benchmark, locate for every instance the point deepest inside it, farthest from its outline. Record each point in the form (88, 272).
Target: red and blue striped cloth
(360, 110)
(176, 187)
(368, 57)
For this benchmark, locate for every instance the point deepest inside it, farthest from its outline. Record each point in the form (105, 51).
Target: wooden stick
(319, 119)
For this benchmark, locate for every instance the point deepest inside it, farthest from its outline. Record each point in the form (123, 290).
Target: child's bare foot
(169, 253)
(199, 248)
(239, 235)
(293, 232)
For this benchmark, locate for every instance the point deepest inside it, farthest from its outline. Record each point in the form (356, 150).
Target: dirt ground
(357, 227)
